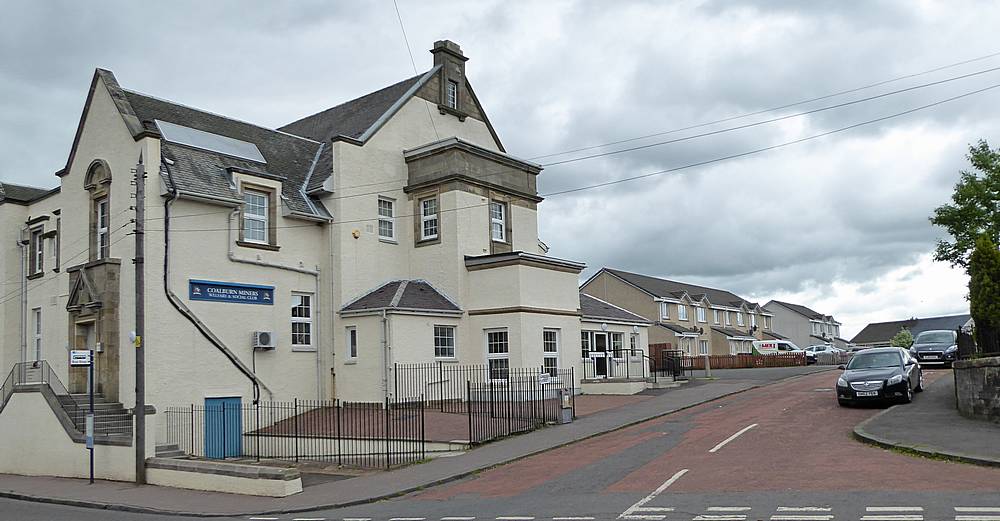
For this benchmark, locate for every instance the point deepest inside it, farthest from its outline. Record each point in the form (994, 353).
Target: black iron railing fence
(522, 402)
(983, 342)
(617, 363)
(357, 434)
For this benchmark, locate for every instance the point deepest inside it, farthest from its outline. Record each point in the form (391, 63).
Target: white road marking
(514, 518)
(977, 518)
(804, 509)
(727, 509)
(628, 512)
(457, 518)
(407, 518)
(893, 518)
(655, 509)
(726, 517)
(895, 509)
(977, 509)
(572, 518)
(309, 519)
(801, 517)
(643, 517)
(263, 519)
(731, 438)
(357, 519)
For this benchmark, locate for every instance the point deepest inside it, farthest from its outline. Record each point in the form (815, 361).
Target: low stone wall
(977, 388)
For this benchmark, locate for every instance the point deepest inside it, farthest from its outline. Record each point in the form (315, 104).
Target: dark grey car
(935, 347)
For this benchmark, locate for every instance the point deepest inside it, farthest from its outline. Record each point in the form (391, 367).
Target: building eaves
(593, 308)
(23, 194)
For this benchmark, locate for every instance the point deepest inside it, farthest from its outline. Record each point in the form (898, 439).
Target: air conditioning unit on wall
(263, 340)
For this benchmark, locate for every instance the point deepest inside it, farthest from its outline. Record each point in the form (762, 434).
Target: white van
(771, 347)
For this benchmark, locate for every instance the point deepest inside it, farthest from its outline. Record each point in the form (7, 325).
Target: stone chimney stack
(454, 98)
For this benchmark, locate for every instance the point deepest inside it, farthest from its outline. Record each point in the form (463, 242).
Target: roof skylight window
(208, 141)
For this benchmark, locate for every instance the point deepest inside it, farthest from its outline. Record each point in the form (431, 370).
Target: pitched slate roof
(878, 332)
(672, 289)
(803, 310)
(597, 309)
(20, 194)
(351, 120)
(415, 295)
(289, 158)
(675, 328)
(731, 332)
(775, 336)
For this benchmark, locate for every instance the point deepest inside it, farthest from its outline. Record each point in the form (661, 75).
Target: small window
(103, 234)
(498, 221)
(703, 347)
(585, 344)
(498, 354)
(729, 318)
(664, 311)
(700, 312)
(617, 344)
(451, 94)
(633, 344)
(301, 321)
(255, 216)
(715, 316)
(37, 248)
(739, 319)
(37, 315)
(386, 219)
(444, 341)
(550, 351)
(682, 312)
(428, 219)
(753, 320)
(352, 342)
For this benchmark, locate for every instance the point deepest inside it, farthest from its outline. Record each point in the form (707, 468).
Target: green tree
(975, 207)
(984, 293)
(902, 339)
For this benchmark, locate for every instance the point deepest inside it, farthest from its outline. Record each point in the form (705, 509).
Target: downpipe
(176, 303)
(320, 391)
(23, 322)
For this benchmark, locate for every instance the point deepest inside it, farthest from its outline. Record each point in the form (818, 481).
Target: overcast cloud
(839, 223)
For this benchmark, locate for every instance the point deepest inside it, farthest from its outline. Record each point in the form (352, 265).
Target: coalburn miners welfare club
(301, 262)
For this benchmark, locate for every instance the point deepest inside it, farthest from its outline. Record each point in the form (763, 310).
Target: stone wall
(977, 388)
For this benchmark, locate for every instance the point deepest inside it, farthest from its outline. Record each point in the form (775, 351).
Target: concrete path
(933, 427)
(372, 487)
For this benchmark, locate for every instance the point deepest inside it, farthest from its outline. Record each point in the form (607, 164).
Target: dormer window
(451, 95)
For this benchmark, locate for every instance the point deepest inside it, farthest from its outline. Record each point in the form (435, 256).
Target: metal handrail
(18, 376)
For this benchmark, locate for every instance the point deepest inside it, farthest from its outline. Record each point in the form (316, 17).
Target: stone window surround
(36, 252)
(418, 198)
(272, 215)
(391, 219)
(99, 187)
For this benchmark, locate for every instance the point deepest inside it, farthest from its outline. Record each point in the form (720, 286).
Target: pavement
(933, 427)
(369, 488)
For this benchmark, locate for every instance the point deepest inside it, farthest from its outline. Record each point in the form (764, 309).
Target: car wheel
(920, 383)
(908, 397)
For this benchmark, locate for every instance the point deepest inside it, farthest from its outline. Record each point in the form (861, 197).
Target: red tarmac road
(801, 441)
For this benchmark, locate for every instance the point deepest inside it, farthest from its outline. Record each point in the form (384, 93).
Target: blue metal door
(223, 428)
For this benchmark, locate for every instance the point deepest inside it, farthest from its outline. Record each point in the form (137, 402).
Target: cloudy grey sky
(839, 223)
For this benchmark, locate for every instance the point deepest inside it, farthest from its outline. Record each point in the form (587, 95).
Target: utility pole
(140, 323)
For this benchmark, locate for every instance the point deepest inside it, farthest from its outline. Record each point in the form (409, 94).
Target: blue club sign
(232, 292)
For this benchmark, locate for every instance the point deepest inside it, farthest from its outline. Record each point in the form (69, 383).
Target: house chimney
(453, 99)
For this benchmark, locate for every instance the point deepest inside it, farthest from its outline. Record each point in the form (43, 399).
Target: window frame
(308, 321)
(351, 332)
(753, 320)
(715, 316)
(585, 343)
(389, 220)
(702, 347)
(451, 94)
(739, 318)
(497, 356)
(553, 354)
(729, 318)
(36, 245)
(426, 218)
(454, 341)
(700, 314)
(664, 311)
(616, 338)
(264, 219)
(682, 312)
(36, 315)
(502, 221)
(633, 344)
(102, 227)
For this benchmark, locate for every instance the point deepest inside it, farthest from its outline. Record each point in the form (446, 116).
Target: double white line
(895, 515)
(977, 513)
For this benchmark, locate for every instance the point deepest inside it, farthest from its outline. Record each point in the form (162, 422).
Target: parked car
(880, 374)
(824, 348)
(936, 347)
(772, 347)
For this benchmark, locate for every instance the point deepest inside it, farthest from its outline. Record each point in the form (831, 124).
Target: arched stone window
(98, 183)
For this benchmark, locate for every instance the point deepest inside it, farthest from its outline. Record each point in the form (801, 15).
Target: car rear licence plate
(867, 393)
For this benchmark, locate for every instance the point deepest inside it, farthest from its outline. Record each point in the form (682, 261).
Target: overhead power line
(773, 109)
